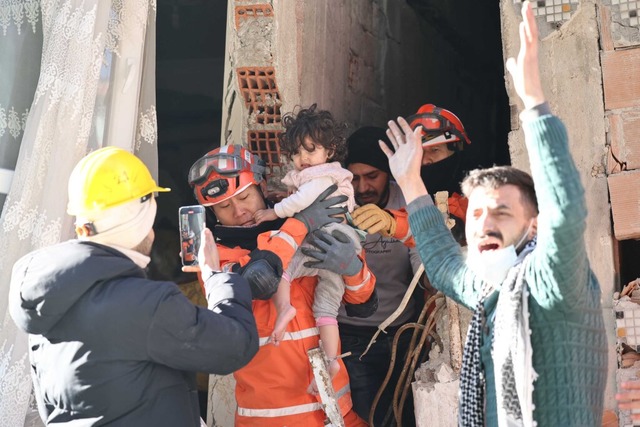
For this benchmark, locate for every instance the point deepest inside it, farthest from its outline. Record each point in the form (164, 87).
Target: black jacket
(109, 347)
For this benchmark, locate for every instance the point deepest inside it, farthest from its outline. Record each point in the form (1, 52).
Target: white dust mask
(493, 266)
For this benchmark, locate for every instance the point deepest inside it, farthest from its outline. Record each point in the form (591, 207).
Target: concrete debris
(435, 390)
(436, 394)
(325, 386)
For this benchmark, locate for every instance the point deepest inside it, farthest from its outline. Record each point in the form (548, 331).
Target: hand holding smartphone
(192, 223)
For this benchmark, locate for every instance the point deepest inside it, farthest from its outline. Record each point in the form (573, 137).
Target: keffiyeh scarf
(511, 352)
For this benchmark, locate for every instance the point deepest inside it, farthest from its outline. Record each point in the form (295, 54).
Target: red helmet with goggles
(439, 126)
(225, 172)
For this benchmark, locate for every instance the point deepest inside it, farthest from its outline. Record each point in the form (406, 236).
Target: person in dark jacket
(108, 346)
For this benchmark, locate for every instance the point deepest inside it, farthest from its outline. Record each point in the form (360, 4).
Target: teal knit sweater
(567, 330)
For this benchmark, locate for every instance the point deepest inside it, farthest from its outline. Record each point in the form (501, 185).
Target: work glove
(263, 272)
(335, 252)
(373, 219)
(321, 212)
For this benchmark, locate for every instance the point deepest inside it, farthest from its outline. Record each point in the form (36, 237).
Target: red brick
(624, 192)
(606, 39)
(260, 93)
(266, 145)
(609, 419)
(615, 136)
(624, 138)
(252, 11)
(630, 150)
(621, 77)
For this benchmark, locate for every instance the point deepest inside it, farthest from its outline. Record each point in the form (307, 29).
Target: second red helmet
(439, 126)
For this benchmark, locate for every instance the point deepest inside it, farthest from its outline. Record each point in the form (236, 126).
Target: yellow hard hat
(106, 178)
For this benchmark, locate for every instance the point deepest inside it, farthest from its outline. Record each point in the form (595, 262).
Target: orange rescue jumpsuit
(271, 389)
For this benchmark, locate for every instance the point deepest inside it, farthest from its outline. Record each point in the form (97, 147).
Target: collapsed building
(193, 74)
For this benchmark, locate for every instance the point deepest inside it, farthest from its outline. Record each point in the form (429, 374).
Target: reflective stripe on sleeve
(286, 237)
(407, 237)
(293, 336)
(357, 287)
(288, 410)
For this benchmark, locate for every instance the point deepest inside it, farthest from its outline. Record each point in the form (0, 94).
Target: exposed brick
(243, 13)
(260, 93)
(621, 77)
(615, 136)
(606, 41)
(624, 193)
(630, 150)
(624, 138)
(265, 145)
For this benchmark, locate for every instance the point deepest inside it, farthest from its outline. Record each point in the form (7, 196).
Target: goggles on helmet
(433, 125)
(227, 165)
(436, 129)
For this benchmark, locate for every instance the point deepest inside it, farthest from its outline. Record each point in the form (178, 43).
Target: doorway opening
(189, 80)
(450, 54)
(190, 46)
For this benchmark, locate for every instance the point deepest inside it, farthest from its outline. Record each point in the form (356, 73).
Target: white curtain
(75, 75)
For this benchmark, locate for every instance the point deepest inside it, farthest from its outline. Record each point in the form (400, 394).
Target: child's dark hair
(319, 125)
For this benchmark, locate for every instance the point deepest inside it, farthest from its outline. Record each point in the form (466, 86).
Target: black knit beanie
(362, 147)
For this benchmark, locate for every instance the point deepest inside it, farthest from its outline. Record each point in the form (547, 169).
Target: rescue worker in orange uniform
(443, 168)
(272, 389)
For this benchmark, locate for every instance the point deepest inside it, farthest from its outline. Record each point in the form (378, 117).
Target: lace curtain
(75, 75)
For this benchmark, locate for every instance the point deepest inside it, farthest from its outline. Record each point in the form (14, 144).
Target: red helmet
(224, 172)
(439, 126)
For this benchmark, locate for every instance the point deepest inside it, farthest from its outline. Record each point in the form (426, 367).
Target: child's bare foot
(333, 367)
(284, 317)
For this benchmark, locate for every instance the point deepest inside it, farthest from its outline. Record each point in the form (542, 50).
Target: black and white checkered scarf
(511, 351)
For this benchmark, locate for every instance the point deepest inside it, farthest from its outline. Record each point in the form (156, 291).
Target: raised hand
(405, 162)
(524, 70)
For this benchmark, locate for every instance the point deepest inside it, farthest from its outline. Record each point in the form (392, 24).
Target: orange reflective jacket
(271, 389)
(457, 206)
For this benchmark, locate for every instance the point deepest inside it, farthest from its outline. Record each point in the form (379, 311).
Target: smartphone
(192, 222)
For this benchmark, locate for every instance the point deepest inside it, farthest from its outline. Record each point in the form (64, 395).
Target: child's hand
(263, 215)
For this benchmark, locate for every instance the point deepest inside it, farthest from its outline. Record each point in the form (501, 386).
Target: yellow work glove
(373, 219)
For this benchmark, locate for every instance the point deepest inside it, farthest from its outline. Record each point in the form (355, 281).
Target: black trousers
(367, 375)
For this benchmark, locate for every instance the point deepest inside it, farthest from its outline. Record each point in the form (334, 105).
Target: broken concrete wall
(329, 52)
(572, 80)
(435, 390)
(448, 54)
(369, 61)
(620, 42)
(627, 315)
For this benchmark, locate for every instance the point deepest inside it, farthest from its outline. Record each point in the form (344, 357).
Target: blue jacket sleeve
(218, 341)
